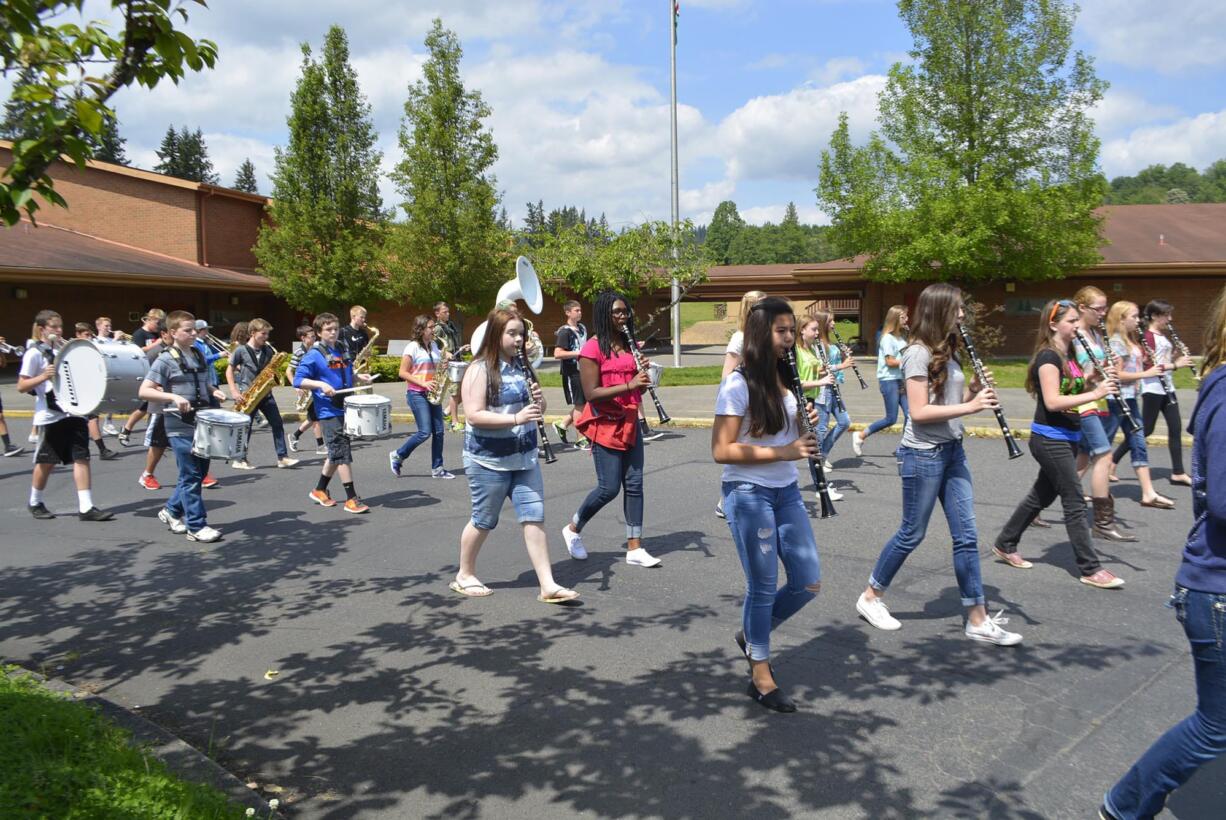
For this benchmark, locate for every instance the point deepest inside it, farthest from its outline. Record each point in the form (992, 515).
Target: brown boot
(1104, 522)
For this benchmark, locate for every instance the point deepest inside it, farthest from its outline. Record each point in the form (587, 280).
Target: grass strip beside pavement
(62, 759)
(669, 377)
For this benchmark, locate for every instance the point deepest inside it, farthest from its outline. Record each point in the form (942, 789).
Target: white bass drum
(93, 378)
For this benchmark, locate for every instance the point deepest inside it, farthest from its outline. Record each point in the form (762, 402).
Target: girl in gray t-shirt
(933, 466)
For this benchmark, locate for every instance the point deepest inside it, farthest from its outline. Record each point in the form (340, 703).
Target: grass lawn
(1012, 373)
(671, 377)
(693, 312)
(60, 758)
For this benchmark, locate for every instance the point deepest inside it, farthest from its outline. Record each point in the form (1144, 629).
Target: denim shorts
(489, 488)
(1097, 432)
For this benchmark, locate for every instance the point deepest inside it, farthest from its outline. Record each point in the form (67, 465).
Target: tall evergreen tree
(183, 154)
(726, 223)
(20, 121)
(109, 145)
(169, 161)
(450, 246)
(18, 110)
(245, 180)
(323, 245)
(792, 244)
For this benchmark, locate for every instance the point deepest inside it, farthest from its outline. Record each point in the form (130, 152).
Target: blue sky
(580, 89)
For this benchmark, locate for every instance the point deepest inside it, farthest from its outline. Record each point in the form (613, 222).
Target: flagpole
(676, 289)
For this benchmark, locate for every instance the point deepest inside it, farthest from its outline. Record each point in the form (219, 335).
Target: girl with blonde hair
(732, 353)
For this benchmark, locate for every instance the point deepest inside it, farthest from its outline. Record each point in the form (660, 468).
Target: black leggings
(1151, 405)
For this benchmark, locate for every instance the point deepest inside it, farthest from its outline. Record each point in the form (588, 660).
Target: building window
(1023, 306)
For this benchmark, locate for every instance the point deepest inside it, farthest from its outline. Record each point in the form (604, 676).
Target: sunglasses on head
(1055, 309)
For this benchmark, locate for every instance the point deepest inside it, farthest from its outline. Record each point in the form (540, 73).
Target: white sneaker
(441, 473)
(876, 614)
(828, 467)
(835, 495)
(176, 526)
(990, 631)
(321, 451)
(293, 444)
(642, 558)
(108, 429)
(241, 464)
(206, 535)
(857, 443)
(287, 462)
(574, 544)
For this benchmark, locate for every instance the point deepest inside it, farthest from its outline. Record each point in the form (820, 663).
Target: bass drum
(93, 378)
(368, 416)
(221, 434)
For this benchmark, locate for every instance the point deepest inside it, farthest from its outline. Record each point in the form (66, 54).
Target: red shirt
(614, 370)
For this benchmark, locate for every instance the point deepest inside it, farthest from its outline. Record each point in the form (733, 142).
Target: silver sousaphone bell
(526, 286)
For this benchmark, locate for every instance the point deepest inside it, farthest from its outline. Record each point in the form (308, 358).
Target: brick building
(1171, 252)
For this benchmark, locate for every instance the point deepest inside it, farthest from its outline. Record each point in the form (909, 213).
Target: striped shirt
(422, 362)
(504, 448)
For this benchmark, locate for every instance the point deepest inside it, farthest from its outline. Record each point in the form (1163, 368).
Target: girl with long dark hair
(1060, 387)
(756, 436)
(419, 369)
(933, 466)
(613, 385)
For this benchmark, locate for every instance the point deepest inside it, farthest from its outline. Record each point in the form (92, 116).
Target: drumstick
(358, 387)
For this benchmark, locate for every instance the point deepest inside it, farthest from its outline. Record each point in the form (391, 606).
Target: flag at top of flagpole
(676, 14)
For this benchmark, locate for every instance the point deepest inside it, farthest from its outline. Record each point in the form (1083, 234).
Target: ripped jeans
(769, 525)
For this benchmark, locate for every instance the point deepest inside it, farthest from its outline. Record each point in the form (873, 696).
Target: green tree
(245, 179)
(792, 244)
(726, 223)
(985, 166)
(21, 122)
(323, 245)
(183, 154)
(450, 246)
(77, 68)
(108, 146)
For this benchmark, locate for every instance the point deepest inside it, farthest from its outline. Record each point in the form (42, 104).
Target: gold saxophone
(443, 386)
(361, 362)
(262, 386)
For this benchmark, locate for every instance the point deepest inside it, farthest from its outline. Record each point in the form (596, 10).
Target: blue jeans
(929, 475)
(268, 407)
(1198, 738)
(429, 420)
(616, 469)
(489, 488)
(187, 500)
(1098, 431)
(769, 525)
(1135, 441)
(842, 421)
(893, 393)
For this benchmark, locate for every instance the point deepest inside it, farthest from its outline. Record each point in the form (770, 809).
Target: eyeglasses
(1055, 309)
(620, 311)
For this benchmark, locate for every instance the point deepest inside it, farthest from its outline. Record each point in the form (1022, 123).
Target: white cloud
(761, 214)
(1120, 111)
(837, 69)
(1169, 37)
(1196, 141)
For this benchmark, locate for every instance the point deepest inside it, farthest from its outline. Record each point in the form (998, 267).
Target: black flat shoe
(107, 455)
(774, 700)
(40, 510)
(739, 637)
(95, 514)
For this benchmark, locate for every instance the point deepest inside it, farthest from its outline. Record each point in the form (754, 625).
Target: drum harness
(48, 354)
(202, 398)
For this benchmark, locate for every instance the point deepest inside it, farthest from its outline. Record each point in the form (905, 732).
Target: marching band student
(827, 408)
(306, 335)
(63, 439)
(447, 330)
(211, 357)
(246, 363)
(813, 377)
(82, 330)
(732, 353)
(1060, 387)
(145, 337)
(933, 466)
(571, 338)
(354, 336)
(324, 370)
(418, 368)
(239, 334)
(1122, 321)
(502, 409)
(889, 375)
(103, 329)
(10, 449)
(613, 385)
(1200, 592)
(179, 379)
(155, 442)
(757, 437)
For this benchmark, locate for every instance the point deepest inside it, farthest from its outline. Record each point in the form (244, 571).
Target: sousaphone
(526, 286)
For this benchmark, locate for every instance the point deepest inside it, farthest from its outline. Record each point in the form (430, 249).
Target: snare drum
(99, 377)
(221, 434)
(455, 371)
(368, 416)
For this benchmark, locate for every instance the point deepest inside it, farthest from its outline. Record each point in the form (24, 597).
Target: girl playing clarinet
(933, 466)
(756, 437)
(812, 376)
(827, 407)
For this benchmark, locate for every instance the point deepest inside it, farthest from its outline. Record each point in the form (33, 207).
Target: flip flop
(477, 590)
(560, 597)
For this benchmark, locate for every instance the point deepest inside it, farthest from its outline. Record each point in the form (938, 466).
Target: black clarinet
(638, 359)
(977, 364)
(1167, 384)
(1183, 348)
(550, 458)
(834, 385)
(1129, 423)
(847, 352)
(816, 471)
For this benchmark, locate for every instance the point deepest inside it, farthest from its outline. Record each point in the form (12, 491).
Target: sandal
(1011, 558)
(1159, 502)
(470, 590)
(559, 596)
(1181, 482)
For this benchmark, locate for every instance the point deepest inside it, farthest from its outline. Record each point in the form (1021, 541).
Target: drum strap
(49, 356)
(200, 366)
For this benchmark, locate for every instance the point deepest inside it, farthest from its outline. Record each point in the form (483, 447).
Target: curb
(180, 757)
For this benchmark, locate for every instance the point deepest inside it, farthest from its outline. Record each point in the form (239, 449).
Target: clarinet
(977, 364)
(847, 352)
(1183, 348)
(1167, 384)
(638, 359)
(1130, 423)
(816, 470)
(834, 385)
(550, 458)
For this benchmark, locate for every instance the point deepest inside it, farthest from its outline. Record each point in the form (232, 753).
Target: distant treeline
(1174, 184)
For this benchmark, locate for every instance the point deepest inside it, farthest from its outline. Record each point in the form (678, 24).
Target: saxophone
(443, 386)
(361, 362)
(263, 384)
